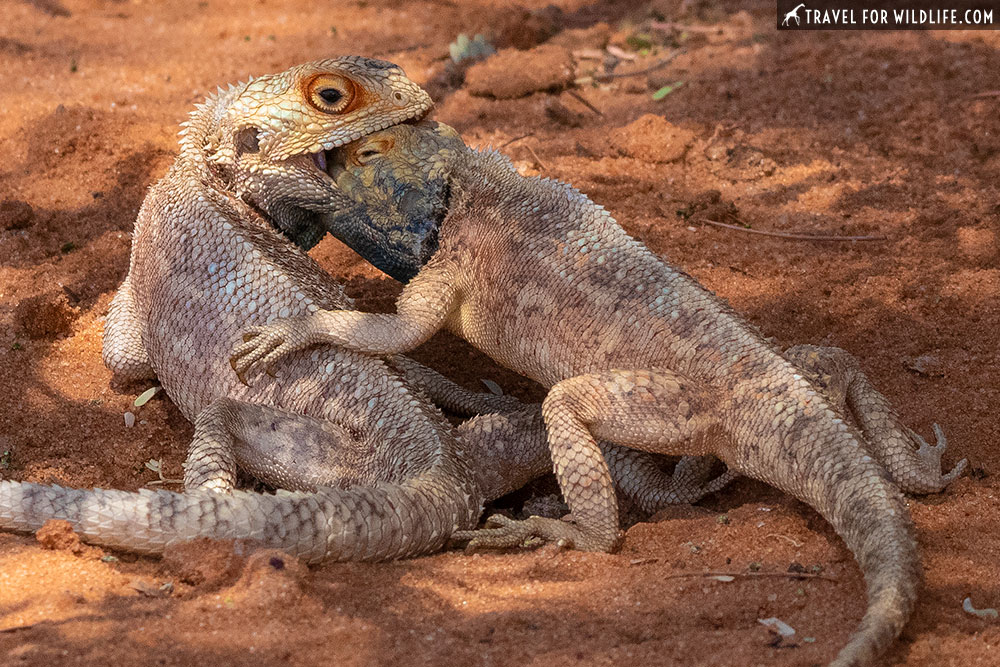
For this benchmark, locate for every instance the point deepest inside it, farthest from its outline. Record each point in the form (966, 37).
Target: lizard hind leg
(284, 449)
(447, 394)
(912, 463)
(656, 411)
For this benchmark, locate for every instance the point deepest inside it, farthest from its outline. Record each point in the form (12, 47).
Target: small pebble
(981, 613)
(778, 626)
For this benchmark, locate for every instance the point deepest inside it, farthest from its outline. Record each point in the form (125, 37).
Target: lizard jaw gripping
(373, 469)
(270, 139)
(634, 351)
(370, 469)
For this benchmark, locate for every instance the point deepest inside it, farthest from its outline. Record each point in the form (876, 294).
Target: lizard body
(633, 351)
(374, 469)
(368, 467)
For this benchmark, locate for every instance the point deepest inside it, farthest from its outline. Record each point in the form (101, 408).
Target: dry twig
(781, 575)
(537, 159)
(510, 141)
(583, 100)
(797, 236)
(663, 62)
(681, 27)
(794, 543)
(983, 95)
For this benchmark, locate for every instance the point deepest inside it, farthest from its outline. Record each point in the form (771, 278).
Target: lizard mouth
(321, 160)
(325, 159)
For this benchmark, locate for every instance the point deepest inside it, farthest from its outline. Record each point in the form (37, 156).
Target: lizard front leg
(422, 309)
(911, 462)
(656, 411)
(123, 350)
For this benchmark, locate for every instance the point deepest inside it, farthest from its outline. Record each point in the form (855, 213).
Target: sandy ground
(871, 134)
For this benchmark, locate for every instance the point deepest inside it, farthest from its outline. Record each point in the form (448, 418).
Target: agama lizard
(633, 351)
(379, 472)
(205, 262)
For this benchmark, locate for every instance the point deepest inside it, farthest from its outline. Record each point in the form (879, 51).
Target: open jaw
(325, 158)
(320, 160)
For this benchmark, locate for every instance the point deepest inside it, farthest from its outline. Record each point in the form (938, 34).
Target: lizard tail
(869, 513)
(382, 522)
(824, 464)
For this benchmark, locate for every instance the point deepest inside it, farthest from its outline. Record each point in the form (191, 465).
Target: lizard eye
(371, 149)
(331, 93)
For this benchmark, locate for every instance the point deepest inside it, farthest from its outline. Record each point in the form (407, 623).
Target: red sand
(835, 133)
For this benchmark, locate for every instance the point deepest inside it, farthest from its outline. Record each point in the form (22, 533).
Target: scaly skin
(375, 470)
(633, 351)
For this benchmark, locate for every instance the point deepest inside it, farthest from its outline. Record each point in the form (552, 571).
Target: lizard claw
(241, 376)
(932, 455)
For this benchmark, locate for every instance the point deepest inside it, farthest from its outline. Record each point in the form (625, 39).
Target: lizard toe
(929, 477)
(263, 349)
(955, 473)
(501, 532)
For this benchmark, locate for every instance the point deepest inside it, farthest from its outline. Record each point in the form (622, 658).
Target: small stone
(777, 626)
(928, 365)
(47, 315)
(652, 138)
(204, 562)
(511, 73)
(58, 535)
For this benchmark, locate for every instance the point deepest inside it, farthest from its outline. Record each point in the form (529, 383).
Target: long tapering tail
(822, 461)
(869, 513)
(382, 522)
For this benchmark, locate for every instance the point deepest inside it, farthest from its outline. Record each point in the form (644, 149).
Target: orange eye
(331, 93)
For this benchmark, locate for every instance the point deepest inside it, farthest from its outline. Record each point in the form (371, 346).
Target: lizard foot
(930, 456)
(501, 532)
(690, 482)
(264, 345)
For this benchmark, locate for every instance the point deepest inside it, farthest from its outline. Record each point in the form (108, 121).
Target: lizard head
(270, 139)
(400, 179)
